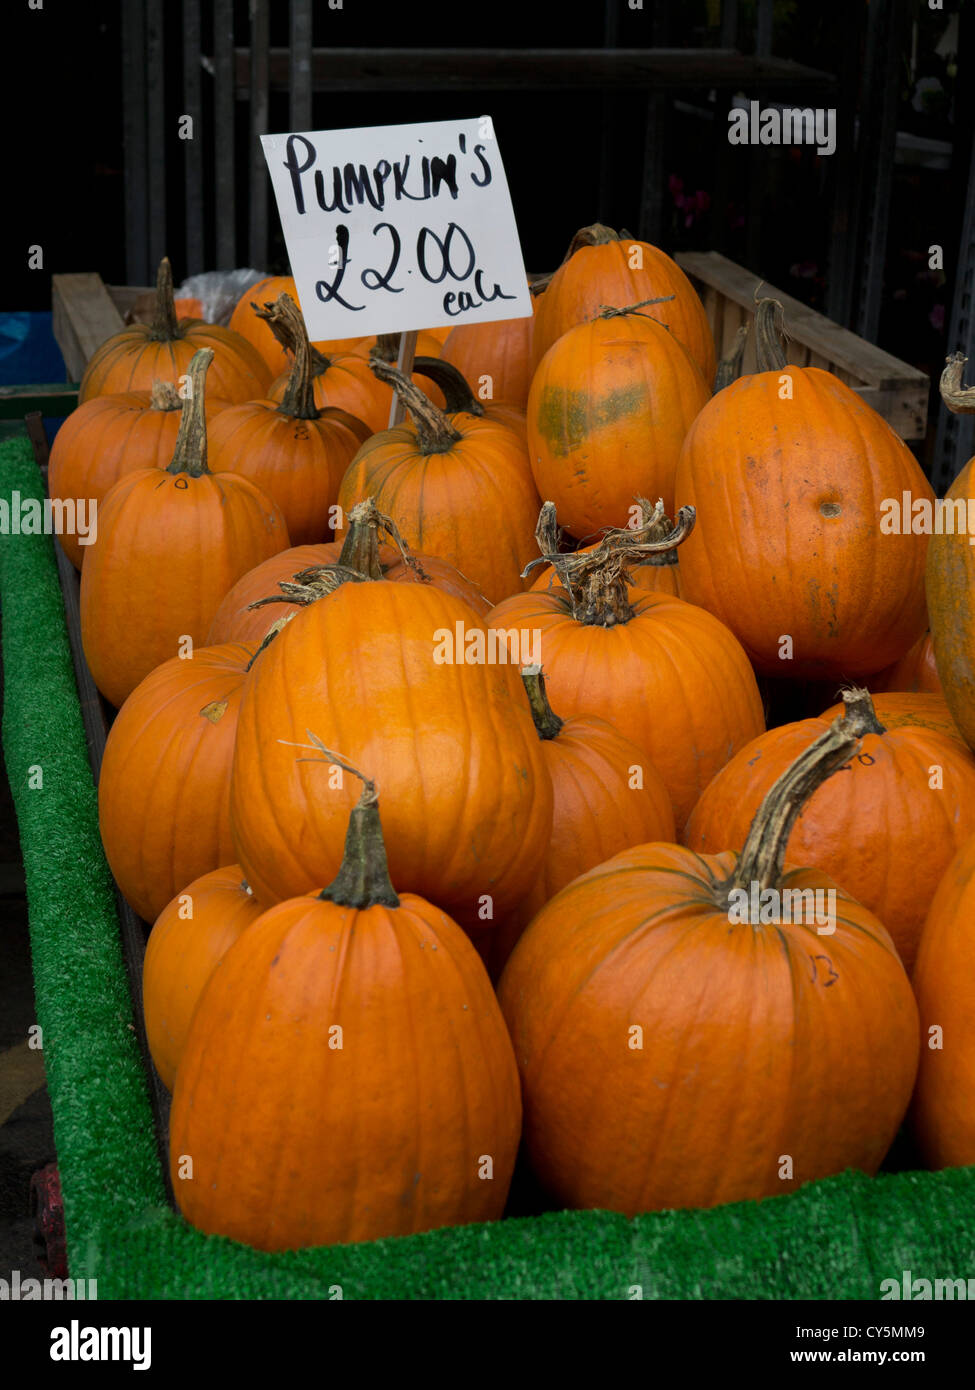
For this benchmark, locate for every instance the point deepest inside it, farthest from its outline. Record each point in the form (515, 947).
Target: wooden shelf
(505, 69)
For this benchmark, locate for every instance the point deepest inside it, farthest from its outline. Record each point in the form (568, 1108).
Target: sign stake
(404, 363)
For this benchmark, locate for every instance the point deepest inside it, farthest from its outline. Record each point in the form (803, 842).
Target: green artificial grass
(837, 1238)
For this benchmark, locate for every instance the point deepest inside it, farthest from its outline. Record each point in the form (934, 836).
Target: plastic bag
(218, 291)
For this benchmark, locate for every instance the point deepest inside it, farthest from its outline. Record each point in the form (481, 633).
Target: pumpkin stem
(190, 454)
(164, 396)
(165, 324)
(763, 854)
(596, 234)
(597, 581)
(770, 336)
(729, 368)
(434, 432)
(457, 394)
(363, 880)
(360, 549)
(606, 311)
(959, 399)
(386, 347)
(547, 722)
(287, 323)
(309, 585)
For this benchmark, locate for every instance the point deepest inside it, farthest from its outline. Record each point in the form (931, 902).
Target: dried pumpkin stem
(763, 855)
(190, 454)
(770, 336)
(959, 399)
(608, 312)
(288, 325)
(165, 324)
(547, 722)
(360, 550)
(434, 432)
(363, 880)
(164, 396)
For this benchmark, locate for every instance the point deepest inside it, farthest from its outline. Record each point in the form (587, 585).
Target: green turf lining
(832, 1239)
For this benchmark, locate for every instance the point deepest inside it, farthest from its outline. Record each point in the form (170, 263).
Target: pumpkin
(787, 470)
(610, 405)
(239, 619)
(496, 357)
(881, 830)
(294, 452)
(372, 668)
(257, 331)
(145, 353)
(347, 1074)
(427, 345)
(164, 783)
(108, 437)
(606, 797)
(683, 1040)
(602, 267)
(916, 671)
(171, 542)
(943, 1109)
(190, 937)
(668, 675)
(459, 488)
(658, 572)
(951, 572)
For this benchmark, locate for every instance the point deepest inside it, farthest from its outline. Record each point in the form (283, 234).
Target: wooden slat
(870, 365)
(260, 37)
(193, 149)
(294, 68)
(125, 297)
(134, 140)
(519, 69)
(82, 317)
(97, 718)
(223, 118)
(154, 78)
(52, 399)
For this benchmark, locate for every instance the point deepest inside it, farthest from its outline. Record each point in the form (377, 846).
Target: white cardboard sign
(397, 227)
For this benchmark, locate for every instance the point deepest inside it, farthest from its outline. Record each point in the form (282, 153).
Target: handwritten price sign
(390, 228)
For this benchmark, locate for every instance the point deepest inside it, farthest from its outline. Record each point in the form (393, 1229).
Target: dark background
(65, 140)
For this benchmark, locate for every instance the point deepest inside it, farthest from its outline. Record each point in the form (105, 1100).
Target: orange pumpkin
(346, 380)
(677, 1047)
(459, 488)
(294, 452)
(600, 268)
(164, 784)
(668, 675)
(406, 1082)
(607, 797)
(898, 709)
(458, 397)
(916, 671)
(170, 544)
(161, 351)
(610, 405)
(236, 621)
(108, 437)
(376, 670)
(943, 1109)
(258, 333)
(881, 830)
(496, 357)
(787, 469)
(190, 938)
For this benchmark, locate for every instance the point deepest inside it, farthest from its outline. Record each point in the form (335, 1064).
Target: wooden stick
(404, 362)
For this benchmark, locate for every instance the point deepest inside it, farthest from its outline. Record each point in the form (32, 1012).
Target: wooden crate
(84, 312)
(896, 390)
